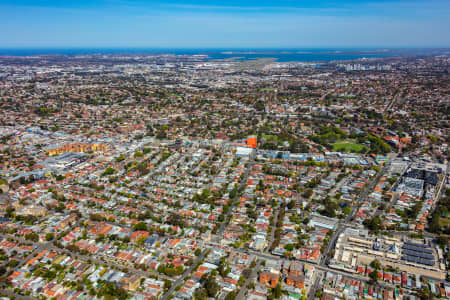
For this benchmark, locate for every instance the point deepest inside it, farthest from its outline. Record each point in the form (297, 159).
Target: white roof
(244, 150)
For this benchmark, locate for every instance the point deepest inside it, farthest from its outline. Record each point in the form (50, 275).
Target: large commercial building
(77, 147)
(323, 222)
(252, 141)
(245, 152)
(353, 251)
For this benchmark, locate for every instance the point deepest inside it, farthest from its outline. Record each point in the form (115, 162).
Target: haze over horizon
(231, 24)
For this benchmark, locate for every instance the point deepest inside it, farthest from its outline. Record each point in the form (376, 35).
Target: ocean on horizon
(281, 55)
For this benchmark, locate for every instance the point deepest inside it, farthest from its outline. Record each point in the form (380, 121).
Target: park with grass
(349, 146)
(334, 138)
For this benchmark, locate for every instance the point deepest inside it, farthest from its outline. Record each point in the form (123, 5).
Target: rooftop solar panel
(427, 262)
(411, 258)
(429, 257)
(407, 252)
(418, 260)
(420, 246)
(418, 254)
(430, 262)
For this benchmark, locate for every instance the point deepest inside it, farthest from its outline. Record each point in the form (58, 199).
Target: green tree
(109, 171)
(140, 226)
(373, 224)
(374, 276)
(201, 294)
(32, 236)
(347, 210)
(277, 291)
(141, 240)
(49, 236)
(375, 264)
(231, 295)
(110, 291)
(209, 282)
(120, 158)
(289, 247)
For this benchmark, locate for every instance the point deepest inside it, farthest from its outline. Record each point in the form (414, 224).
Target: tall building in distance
(252, 141)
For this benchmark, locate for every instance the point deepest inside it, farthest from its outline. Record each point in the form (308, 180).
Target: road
(39, 247)
(332, 193)
(368, 189)
(389, 106)
(342, 225)
(315, 286)
(50, 247)
(394, 198)
(98, 259)
(186, 273)
(15, 295)
(318, 267)
(242, 184)
(274, 229)
(389, 206)
(362, 197)
(243, 291)
(326, 94)
(442, 183)
(321, 267)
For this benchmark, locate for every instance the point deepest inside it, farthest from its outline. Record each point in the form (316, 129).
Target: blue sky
(224, 24)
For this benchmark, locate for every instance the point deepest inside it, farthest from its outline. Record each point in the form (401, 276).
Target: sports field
(348, 147)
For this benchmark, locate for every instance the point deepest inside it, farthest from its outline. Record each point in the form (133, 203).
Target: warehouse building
(353, 251)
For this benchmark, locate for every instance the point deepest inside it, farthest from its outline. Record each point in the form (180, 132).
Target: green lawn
(444, 222)
(348, 147)
(269, 137)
